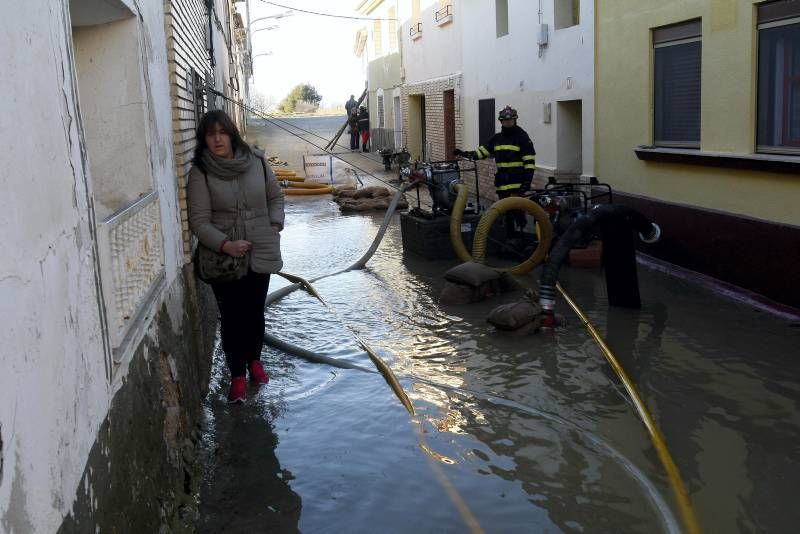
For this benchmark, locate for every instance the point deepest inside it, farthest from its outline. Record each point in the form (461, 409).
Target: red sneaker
(257, 373)
(238, 391)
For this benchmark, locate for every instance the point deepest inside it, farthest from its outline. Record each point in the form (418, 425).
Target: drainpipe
(212, 60)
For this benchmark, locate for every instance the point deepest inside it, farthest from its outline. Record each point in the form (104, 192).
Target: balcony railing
(444, 15)
(386, 139)
(415, 31)
(132, 263)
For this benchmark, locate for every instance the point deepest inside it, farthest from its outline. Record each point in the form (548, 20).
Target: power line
(322, 14)
(275, 120)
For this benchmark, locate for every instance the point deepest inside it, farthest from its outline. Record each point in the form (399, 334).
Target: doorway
(569, 140)
(449, 98)
(398, 124)
(417, 139)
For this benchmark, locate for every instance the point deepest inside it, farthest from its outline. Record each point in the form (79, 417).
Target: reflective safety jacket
(514, 156)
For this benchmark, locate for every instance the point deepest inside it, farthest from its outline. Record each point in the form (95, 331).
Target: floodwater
(511, 434)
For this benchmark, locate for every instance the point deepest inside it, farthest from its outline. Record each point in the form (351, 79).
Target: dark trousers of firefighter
(241, 310)
(515, 219)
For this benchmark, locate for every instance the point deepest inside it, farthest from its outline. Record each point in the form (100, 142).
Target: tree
(300, 93)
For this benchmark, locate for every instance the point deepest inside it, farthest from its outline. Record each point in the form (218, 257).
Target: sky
(306, 48)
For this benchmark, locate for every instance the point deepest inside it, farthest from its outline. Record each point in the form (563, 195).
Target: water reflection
(245, 489)
(535, 433)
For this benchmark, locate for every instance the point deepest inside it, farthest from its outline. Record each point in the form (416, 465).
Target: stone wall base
(142, 474)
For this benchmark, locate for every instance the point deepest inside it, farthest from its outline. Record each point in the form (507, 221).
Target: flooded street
(511, 434)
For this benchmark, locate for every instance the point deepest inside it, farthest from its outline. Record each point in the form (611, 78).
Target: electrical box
(547, 113)
(543, 35)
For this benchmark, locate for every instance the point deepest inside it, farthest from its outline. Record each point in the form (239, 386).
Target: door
(449, 123)
(398, 124)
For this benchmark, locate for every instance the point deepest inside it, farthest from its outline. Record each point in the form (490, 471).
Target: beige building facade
(697, 127)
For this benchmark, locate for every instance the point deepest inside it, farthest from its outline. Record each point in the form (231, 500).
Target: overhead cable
(324, 14)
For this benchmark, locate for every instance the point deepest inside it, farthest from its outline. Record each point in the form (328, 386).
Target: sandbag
(514, 315)
(472, 274)
(372, 192)
(344, 190)
(456, 294)
(347, 202)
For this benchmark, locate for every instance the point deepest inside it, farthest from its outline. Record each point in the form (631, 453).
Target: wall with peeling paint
(59, 369)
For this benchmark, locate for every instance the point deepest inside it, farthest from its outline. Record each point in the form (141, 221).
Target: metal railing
(446, 11)
(132, 253)
(415, 30)
(386, 139)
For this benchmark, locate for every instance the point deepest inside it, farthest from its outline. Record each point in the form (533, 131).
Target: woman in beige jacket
(235, 207)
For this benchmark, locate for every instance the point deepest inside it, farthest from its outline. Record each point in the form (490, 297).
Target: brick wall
(186, 24)
(433, 91)
(434, 111)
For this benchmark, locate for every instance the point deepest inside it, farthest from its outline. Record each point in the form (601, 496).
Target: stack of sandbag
(275, 161)
(521, 317)
(474, 282)
(366, 199)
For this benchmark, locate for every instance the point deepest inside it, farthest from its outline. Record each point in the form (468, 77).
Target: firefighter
(515, 158)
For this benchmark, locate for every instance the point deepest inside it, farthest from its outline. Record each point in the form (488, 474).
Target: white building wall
(58, 379)
(511, 70)
(383, 77)
(437, 52)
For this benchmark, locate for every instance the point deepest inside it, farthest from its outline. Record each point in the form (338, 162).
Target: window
(567, 13)
(779, 77)
(676, 85)
(486, 119)
(501, 17)
(198, 94)
(381, 111)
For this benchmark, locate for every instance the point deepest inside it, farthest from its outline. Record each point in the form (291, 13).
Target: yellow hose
(673, 475)
(284, 172)
(455, 223)
(308, 185)
(321, 191)
(385, 370)
(544, 229)
(288, 178)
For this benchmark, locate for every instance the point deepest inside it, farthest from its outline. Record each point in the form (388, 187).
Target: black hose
(603, 220)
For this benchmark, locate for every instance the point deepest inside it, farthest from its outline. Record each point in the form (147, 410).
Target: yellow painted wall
(624, 114)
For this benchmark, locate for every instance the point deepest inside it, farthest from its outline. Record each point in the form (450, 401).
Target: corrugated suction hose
(544, 230)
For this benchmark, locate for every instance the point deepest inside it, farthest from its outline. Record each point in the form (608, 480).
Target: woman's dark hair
(207, 122)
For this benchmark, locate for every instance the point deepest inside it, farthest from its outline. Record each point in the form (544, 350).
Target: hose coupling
(655, 234)
(547, 300)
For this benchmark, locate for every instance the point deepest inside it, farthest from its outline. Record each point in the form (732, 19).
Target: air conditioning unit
(543, 35)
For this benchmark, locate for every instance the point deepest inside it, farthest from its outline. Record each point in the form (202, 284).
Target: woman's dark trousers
(241, 309)
(354, 140)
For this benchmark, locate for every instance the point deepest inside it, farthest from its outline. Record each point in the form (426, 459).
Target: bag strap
(264, 168)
